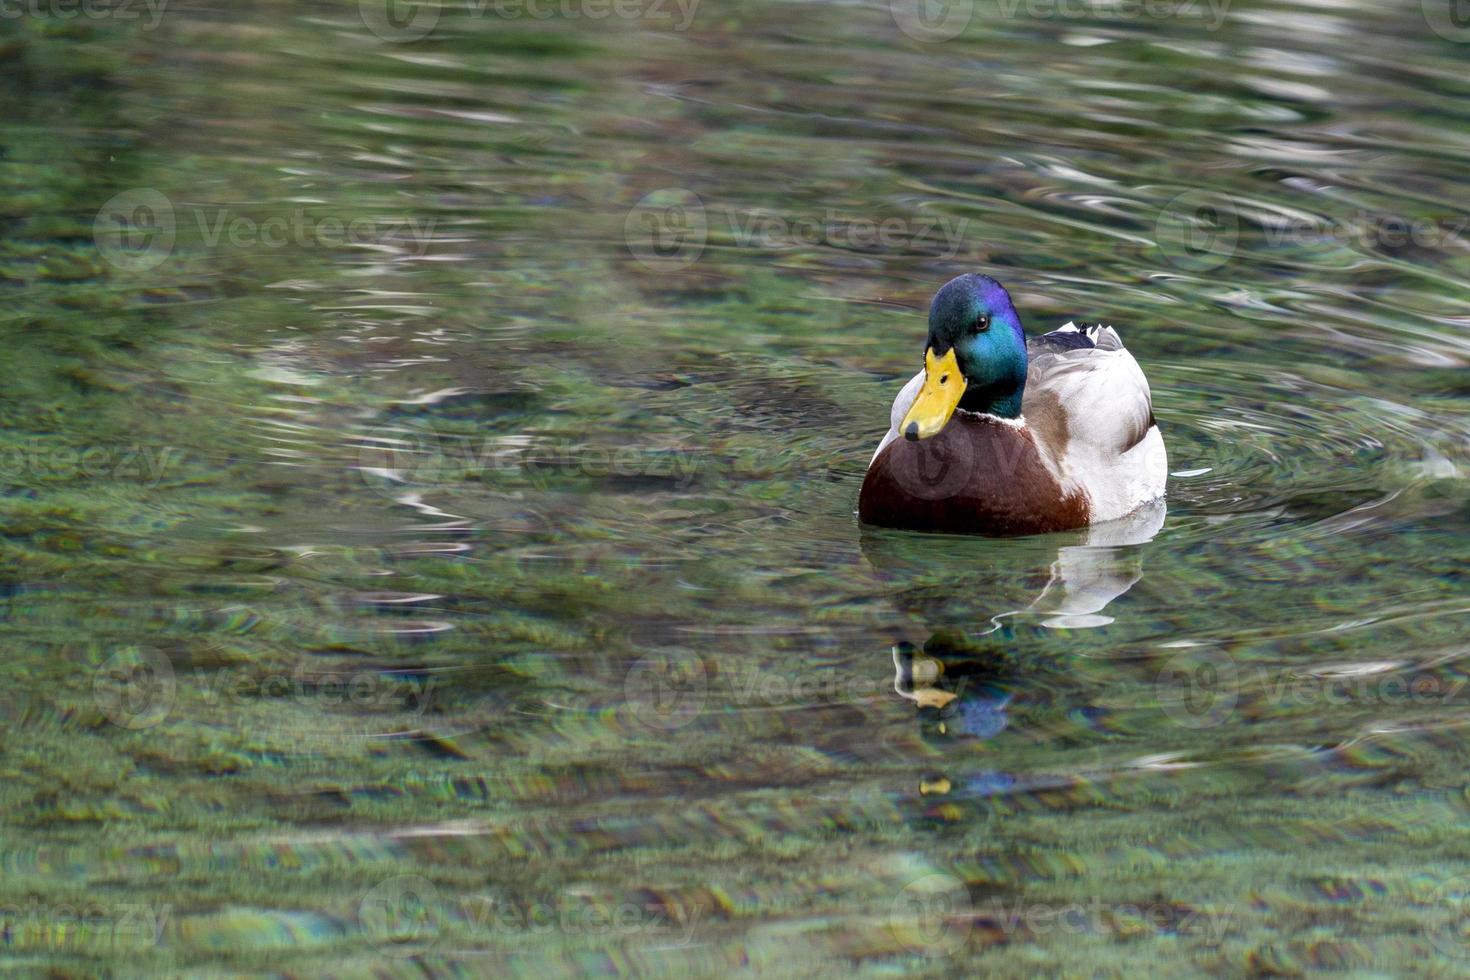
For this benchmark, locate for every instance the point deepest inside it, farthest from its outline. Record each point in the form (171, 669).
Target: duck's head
(975, 357)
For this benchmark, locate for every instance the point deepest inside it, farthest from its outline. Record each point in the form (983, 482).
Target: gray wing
(1085, 391)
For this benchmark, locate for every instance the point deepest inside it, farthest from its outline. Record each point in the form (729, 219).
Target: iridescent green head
(975, 356)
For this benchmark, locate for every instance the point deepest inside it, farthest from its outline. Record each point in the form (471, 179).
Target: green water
(429, 469)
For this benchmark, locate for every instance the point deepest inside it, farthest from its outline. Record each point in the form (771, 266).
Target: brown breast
(978, 476)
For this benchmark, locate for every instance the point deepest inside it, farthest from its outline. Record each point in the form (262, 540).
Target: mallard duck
(1000, 436)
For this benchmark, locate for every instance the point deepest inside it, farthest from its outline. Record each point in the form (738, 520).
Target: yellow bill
(943, 386)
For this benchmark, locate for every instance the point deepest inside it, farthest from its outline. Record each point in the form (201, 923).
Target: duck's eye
(943, 379)
(982, 323)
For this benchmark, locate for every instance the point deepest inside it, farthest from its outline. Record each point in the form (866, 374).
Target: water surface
(430, 468)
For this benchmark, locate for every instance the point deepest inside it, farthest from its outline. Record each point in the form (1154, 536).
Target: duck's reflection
(1086, 577)
(962, 683)
(960, 689)
(1087, 570)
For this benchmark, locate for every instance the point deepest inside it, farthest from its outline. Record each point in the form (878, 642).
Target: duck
(1000, 436)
